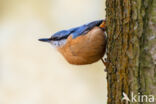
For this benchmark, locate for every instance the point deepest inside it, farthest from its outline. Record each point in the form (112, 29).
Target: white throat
(58, 43)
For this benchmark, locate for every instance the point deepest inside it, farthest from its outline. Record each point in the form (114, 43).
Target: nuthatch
(81, 45)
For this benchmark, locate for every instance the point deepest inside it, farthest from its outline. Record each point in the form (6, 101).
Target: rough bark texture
(131, 49)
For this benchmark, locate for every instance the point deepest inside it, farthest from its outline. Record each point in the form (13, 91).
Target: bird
(81, 45)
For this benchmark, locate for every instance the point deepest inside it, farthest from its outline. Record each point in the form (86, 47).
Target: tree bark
(131, 49)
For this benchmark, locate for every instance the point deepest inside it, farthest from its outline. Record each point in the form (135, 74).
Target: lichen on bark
(131, 49)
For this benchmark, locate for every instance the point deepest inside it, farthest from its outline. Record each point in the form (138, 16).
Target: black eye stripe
(58, 38)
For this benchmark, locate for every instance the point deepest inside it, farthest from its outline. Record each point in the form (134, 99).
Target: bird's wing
(85, 28)
(77, 31)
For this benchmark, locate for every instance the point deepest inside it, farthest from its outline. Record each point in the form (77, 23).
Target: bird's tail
(103, 24)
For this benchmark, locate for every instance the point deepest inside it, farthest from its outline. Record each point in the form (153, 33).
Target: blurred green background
(32, 72)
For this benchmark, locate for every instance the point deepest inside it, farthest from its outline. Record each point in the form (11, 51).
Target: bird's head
(58, 39)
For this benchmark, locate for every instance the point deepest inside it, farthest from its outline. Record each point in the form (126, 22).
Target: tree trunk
(131, 50)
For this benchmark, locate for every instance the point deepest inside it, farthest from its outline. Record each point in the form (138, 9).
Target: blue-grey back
(75, 32)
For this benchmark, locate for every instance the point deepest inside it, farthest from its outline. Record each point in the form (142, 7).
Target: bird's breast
(85, 49)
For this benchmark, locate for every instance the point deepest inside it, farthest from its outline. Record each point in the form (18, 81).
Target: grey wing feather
(77, 31)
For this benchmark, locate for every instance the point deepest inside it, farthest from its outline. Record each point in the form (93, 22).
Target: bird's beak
(45, 40)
